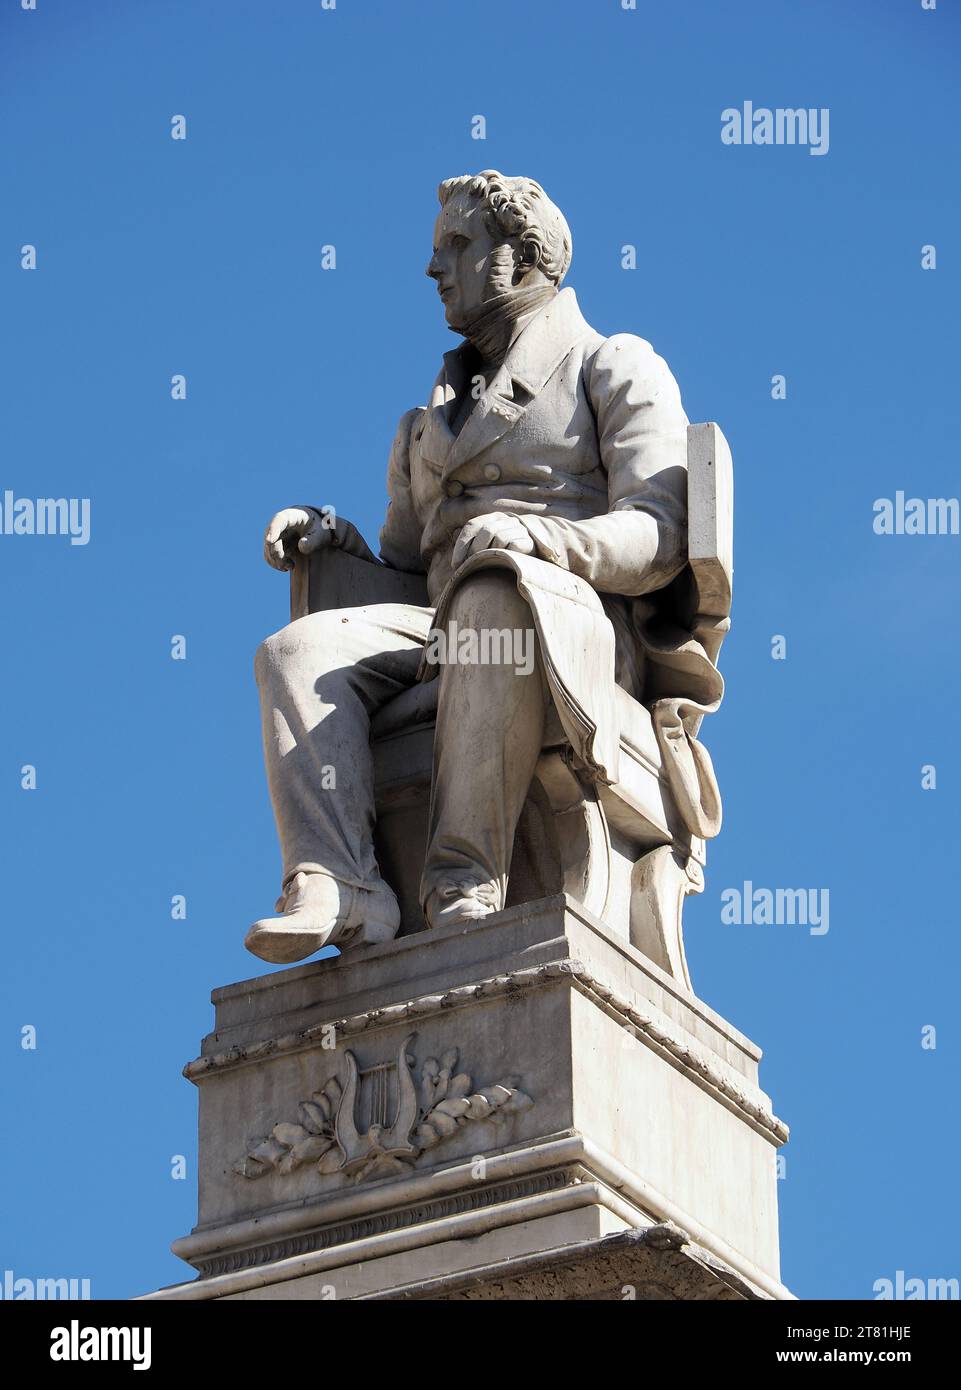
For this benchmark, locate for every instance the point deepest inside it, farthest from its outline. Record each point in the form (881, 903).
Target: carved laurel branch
(290, 1144)
(446, 1104)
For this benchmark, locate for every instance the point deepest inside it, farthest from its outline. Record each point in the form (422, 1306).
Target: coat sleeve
(640, 544)
(401, 532)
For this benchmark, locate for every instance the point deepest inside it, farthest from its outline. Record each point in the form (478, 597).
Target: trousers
(321, 680)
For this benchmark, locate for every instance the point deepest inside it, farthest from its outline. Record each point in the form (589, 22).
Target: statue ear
(528, 255)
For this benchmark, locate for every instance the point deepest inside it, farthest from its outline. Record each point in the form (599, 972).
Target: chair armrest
(332, 578)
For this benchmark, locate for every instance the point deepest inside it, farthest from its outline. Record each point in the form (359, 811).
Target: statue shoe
(461, 900)
(318, 910)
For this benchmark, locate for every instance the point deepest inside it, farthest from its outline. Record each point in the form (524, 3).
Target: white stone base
(633, 1144)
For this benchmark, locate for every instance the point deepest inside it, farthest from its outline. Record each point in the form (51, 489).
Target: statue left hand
(496, 531)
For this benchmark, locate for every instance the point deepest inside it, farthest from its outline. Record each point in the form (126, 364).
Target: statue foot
(460, 900)
(318, 911)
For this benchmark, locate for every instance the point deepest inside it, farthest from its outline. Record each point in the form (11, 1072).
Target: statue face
(462, 259)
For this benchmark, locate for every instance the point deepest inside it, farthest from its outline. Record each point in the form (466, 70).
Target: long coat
(583, 439)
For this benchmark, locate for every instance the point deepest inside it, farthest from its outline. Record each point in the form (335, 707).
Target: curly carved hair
(519, 207)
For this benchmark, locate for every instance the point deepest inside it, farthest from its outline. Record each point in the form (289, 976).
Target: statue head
(495, 237)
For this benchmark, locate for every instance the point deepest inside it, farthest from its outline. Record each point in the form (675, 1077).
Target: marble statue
(483, 753)
(491, 797)
(543, 492)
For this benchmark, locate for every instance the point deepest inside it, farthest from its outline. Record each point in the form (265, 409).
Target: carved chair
(624, 851)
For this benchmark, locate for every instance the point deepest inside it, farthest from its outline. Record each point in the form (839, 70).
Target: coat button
(454, 488)
(491, 472)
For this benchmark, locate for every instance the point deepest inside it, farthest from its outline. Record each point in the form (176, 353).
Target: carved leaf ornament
(325, 1132)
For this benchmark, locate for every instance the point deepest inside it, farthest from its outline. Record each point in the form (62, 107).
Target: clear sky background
(308, 127)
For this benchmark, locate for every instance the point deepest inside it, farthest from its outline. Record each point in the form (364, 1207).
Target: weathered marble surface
(543, 492)
(504, 1087)
(654, 1264)
(623, 1101)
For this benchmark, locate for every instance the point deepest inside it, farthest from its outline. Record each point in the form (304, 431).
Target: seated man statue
(543, 483)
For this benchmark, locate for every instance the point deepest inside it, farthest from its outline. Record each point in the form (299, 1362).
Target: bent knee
(490, 596)
(302, 638)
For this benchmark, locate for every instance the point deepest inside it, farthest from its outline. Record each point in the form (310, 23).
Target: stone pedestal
(528, 1108)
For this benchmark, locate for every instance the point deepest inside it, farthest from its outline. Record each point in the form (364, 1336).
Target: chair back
(710, 532)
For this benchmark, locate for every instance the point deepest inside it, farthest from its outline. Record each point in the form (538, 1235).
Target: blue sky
(308, 127)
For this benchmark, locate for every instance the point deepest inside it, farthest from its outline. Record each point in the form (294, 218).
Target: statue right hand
(300, 528)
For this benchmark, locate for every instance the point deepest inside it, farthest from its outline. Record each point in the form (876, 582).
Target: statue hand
(496, 531)
(300, 527)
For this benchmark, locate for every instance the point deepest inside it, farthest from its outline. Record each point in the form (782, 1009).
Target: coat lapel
(436, 438)
(530, 363)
